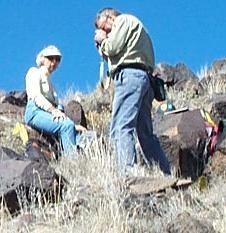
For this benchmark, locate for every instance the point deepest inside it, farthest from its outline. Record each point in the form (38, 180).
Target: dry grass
(203, 72)
(211, 81)
(71, 94)
(95, 200)
(99, 121)
(9, 140)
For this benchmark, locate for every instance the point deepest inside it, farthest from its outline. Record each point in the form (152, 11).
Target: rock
(9, 114)
(6, 154)
(76, 113)
(18, 98)
(185, 127)
(185, 223)
(182, 137)
(22, 180)
(41, 146)
(180, 77)
(221, 144)
(217, 107)
(40, 151)
(146, 206)
(10, 180)
(166, 72)
(217, 165)
(183, 72)
(147, 185)
(218, 67)
(36, 145)
(10, 111)
(172, 149)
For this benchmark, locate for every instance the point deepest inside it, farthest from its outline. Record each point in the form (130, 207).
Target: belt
(139, 66)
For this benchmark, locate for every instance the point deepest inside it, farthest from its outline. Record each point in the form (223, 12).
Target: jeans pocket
(118, 79)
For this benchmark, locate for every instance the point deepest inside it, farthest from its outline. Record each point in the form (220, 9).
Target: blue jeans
(43, 121)
(131, 112)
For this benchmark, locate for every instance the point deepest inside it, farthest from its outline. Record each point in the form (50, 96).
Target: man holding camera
(122, 40)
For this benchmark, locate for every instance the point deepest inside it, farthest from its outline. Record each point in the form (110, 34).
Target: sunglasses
(56, 58)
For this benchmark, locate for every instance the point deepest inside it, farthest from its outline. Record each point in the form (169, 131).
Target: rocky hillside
(92, 198)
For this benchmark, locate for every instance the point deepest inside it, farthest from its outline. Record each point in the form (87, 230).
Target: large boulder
(23, 181)
(185, 127)
(75, 112)
(180, 77)
(183, 137)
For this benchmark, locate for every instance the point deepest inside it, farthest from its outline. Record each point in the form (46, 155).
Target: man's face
(105, 23)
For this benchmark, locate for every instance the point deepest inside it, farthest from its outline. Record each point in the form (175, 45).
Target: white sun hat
(50, 50)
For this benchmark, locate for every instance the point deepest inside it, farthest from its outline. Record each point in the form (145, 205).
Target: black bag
(158, 87)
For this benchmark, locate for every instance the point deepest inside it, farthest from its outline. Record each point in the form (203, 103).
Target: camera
(97, 44)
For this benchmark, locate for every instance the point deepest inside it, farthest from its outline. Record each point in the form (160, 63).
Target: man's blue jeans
(131, 112)
(43, 121)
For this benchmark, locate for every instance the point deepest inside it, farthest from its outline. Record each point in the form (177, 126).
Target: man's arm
(113, 43)
(117, 38)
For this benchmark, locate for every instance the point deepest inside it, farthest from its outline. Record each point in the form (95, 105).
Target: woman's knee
(68, 124)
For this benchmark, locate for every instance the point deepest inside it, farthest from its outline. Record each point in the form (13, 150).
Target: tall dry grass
(96, 200)
(211, 81)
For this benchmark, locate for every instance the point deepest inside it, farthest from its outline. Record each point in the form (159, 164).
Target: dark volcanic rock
(75, 112)
(217, 107)
(181, 136)
(18, 98)
(23, 181)
(6, 154)
(180, 77)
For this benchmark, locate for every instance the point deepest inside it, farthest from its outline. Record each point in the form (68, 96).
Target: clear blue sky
(188, 31)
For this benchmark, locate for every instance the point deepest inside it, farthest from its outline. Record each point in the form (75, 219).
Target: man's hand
(100, 35)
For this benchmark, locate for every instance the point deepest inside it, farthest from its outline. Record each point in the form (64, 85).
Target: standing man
(123, 41)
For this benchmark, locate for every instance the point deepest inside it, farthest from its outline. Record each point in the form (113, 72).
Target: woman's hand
(58, 115)
(80, 128)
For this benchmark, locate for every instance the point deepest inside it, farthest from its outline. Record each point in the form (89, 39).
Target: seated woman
(42, 111)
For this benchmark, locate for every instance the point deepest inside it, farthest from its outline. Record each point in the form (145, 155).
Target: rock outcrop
(23, 181)
(179, 77)
(180, 135)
